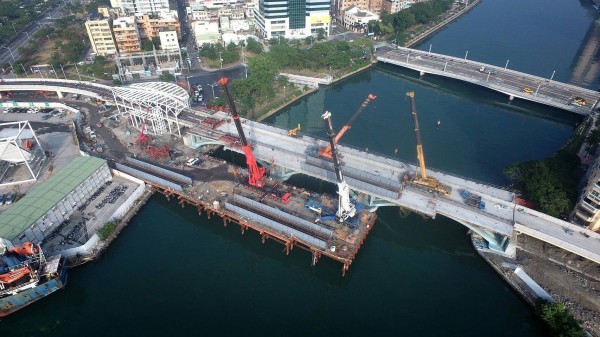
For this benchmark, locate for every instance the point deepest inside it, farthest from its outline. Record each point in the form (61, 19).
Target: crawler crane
(429, 182)
(256, 174)
(346, 209)
(326, 151)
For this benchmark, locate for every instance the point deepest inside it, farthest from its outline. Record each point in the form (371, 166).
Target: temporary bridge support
(495, 241)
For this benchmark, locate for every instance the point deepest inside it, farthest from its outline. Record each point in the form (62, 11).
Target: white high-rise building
(292, 18)
(143, 6)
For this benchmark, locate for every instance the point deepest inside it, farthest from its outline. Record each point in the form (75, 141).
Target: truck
(472, 200)
(487, 70)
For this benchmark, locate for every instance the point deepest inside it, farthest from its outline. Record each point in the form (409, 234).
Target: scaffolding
(19, 146)
(158, 104)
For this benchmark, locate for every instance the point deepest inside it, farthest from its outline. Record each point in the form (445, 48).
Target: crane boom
(256, 174)
(345, 208)
(420, 155)
(326, 151)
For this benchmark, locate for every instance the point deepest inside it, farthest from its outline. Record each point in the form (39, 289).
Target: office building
(292, 18)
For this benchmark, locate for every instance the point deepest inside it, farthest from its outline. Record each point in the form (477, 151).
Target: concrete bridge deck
(510, 82)
(375, 175)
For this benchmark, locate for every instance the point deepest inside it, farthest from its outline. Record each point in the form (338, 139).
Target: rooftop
(36, 203)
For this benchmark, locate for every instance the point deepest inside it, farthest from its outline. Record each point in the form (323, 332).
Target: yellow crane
(294, 132)
(428, 182)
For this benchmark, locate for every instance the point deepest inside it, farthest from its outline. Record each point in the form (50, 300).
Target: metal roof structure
(158, 103)
(18, 217)
(13, 136)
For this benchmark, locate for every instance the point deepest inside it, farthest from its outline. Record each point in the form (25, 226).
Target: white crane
(346, 209)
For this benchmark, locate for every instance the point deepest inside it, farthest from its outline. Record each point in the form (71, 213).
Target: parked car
(9, 199)
(2, 196)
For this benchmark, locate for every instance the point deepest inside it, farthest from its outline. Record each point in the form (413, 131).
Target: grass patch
(108, 228)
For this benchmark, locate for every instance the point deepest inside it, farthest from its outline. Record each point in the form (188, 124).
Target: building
(104, 11)
(339, 6)
(37, 214)
(127, 36)
(292, 18)
(206, 32)
(357, 19)
(142, 6)
(168, 40)
(150, 26)
(100, 35)
(394, 6)
(587, 210)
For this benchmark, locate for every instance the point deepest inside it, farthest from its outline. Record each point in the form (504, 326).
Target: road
(10, 53)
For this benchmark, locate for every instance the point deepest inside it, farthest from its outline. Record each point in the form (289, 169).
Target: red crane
(256, 174)
(326, 151)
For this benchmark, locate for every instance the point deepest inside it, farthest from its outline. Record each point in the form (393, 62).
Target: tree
(209, 50)
(560, 321)
(147, 45)
(254, 46)
(320, 34)
(156, 42)
(166, 77)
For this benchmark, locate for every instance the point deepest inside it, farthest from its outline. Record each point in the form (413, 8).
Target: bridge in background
(376, 180)
(510, 82)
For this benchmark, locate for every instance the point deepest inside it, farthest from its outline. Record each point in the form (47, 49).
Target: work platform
(263, 210)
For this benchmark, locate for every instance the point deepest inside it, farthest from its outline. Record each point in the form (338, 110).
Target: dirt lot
(568, 278)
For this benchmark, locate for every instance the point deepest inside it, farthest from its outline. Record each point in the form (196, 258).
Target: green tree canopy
(560, 321)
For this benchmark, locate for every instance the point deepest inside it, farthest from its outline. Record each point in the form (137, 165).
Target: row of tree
(396, 26)
(552, 183)
(263, 80)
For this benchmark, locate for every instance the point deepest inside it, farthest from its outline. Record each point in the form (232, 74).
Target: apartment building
(394, 6)
(168, 40)
(150, 26)
(100, 35)
(339, 6)
(127, 36)
(587, 210)
(142, 6)
(292, 18)
(356, 18)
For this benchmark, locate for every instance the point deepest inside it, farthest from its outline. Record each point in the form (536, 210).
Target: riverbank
(432, 29)
(568, 278)
(103, 245)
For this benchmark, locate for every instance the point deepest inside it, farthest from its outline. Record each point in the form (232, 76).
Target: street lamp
(506, 64)
(466, 54)
(220, 58)
(551, 77)
(63, 71)
(13, 24)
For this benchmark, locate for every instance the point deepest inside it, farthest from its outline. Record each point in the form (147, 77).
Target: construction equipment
(143, 140)
(294, 132)
(346, 209)
(256, 174)
(326, 151)
(429, 182)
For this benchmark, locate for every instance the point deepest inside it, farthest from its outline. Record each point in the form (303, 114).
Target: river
(172, 272)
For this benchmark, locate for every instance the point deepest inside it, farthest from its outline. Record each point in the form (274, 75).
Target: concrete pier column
(60, 94)
(511, 97)
(421, 73)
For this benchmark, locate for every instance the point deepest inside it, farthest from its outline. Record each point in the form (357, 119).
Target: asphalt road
(10, 53)
(505, 77)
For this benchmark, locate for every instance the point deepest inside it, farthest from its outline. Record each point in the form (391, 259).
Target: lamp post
(13, 24)
(221, 59)
(77, 69)
(466, 54)
(430, 45)
(54, 70)
(551, 77)
(63, 71)
(506, 64)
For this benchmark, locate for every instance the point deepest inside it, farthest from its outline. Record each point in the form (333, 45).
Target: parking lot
(90, 216)
(49, 115)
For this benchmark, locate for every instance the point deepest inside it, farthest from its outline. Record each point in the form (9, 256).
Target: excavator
(429, 182)
(346, 208)
(326, 151)
(256, 174)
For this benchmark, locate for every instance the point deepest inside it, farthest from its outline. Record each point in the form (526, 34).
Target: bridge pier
(59, 94)
(421, 73)
(278, 172)
(511, 97)
(495, 241)
(372, 203)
